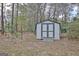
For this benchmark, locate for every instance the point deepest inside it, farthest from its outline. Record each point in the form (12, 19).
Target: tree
(73, 30)
(17, 16)
(12, 18)
(2, 16)
(43, 11)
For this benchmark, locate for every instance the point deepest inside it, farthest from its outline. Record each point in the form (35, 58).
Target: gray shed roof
(48, 20)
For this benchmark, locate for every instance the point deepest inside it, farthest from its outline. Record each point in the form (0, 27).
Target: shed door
(50, 30)
(47, 30)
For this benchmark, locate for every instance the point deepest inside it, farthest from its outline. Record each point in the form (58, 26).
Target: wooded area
(22, 17)
(17, 20)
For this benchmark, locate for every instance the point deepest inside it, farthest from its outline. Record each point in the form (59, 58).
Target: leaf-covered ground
(29, 46)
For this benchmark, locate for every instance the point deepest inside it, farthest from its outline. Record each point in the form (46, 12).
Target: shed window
(50, 34)
(44, 34)
(50, 27)
(44, 27)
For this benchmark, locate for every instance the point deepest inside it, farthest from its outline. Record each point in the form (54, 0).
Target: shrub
(73, 30)
(64, 26)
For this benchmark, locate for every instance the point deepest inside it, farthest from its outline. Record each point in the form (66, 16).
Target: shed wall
(56, 31)
(38, 31)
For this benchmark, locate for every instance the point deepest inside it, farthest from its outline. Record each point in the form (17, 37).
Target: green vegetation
(73, 31)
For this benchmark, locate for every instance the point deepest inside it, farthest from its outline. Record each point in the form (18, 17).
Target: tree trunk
(37, 15)
(17, 16)
(2, 16)
(21, 31)
(40, 10)
(49, 13)
(54, 14)
(44, 10)
(12, 17)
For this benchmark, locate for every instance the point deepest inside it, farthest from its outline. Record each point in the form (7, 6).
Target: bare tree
(44, 8)
(2, 16)
(42, 11)
(17, 15)
(49, 13)
(54, 14)
(38, 9)
(12, 17)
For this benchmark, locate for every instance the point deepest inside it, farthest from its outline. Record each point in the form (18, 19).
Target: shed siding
(57, 31)
(38, 31)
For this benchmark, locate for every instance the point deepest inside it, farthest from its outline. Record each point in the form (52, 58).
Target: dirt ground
(30, 46)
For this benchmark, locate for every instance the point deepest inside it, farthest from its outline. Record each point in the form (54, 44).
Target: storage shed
(48, 29)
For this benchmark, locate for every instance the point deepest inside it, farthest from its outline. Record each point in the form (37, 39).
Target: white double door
(48, 30)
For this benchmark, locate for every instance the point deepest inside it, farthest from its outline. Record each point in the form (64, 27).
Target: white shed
(48, 30)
